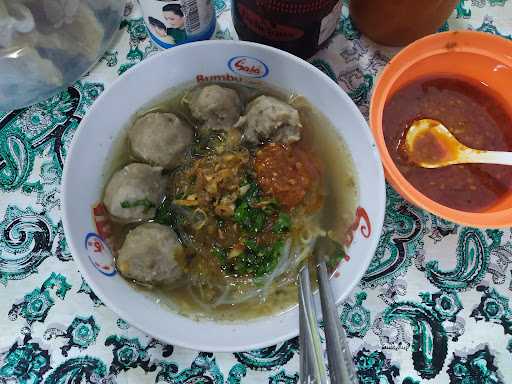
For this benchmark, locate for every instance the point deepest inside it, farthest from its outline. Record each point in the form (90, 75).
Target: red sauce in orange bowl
(473, 67)
(475, 116)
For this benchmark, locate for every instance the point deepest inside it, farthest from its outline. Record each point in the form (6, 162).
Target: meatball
(270, 118)
(216, 107)
(148, 255)
(160, 138)
(134, 192)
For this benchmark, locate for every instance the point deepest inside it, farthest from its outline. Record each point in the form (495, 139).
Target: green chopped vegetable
(254, 215)
(164, 214)
(254, 191)
(174, 216)
(147, 204)
(258, 260)
(220, 254)
(283, 223)
(250, 218)
(336, 257)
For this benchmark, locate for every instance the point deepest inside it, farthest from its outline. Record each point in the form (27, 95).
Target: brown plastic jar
(399, 22)
(297, 26)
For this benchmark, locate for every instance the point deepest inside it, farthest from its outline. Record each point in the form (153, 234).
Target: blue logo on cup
(248, 66)
(99, 254)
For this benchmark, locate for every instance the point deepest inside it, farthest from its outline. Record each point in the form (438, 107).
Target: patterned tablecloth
(432, 308)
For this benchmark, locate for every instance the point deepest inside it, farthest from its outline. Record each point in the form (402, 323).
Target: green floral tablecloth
(432, 308)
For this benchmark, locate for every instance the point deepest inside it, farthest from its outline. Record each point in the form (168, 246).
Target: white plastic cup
(175, 22)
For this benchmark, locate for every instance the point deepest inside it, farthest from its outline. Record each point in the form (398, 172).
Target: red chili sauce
(475, 117)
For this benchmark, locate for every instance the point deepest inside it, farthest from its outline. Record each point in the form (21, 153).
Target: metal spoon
(312, 367)
(430, 144)
(341, 368)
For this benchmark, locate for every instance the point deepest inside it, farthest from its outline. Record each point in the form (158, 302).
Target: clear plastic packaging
(46, 45)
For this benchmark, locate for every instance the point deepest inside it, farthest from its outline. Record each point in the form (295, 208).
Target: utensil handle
(486, 157)
(349, 361)
(304, 344)
(313, 369)
(341, 366)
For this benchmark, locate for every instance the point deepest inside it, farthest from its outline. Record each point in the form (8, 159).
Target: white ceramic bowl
(83, 182)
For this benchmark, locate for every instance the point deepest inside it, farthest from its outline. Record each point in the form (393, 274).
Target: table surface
(433, 306)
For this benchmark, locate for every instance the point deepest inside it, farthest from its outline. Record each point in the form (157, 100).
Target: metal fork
(312, 365)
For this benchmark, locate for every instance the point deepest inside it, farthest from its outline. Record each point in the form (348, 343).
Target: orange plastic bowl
(481, 56)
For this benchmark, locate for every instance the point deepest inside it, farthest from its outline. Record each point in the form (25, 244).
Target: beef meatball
(134, 192)
(148, 255)
(216, 107)
(270, 118)
(160, 138)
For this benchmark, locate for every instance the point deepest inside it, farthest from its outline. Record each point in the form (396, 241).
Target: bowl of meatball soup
(198, 183)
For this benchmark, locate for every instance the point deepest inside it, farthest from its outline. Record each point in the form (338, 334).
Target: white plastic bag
(14, 18)
(46, 45)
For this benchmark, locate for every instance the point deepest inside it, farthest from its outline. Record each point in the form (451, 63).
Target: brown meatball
(270, 118)
(148, 255)
(134, 192)
(160, 138)
(218, 108)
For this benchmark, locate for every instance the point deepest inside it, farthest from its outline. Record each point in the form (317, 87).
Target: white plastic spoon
(430, 144)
